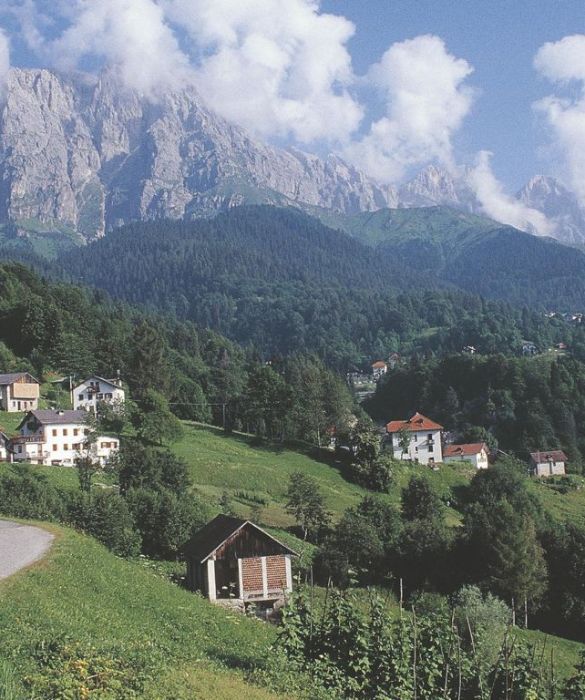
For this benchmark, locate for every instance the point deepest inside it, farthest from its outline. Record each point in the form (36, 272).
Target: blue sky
(359, 78)
(500, 39)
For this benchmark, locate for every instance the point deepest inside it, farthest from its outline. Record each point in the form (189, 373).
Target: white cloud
(563, 63)
(4, 60)
(500, 206)
(131, 35)
(426, 100)
(277, 67)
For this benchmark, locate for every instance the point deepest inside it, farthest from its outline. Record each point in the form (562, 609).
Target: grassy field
(259, 474)
(219, 463)
(82, 594)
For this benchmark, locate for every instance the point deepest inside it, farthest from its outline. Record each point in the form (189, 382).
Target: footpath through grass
(83, 595)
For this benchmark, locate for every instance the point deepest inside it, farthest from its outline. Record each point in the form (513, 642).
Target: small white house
(548, 463)
(19, 391)
(59, 438)
(417, 439)
(87, 395)
(476, 453)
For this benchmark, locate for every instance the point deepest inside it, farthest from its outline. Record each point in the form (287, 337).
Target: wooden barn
(234, 560)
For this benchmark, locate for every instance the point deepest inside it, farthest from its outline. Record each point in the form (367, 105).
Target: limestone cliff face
(87, 156)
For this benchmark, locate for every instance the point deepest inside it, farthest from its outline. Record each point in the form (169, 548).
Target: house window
(54, 432)
(80, 397)
(65, 446)
(86, 431)
(75, 432)
(64, 431)
(100, 396)
(431, 448)
(108, 396)
(20, 449)
(430, 436)
(55, 448)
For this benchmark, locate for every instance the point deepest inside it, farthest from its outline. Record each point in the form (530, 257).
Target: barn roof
(210, 538)
(465, 450)
(417, 422)
(12, 377)
(551, 455)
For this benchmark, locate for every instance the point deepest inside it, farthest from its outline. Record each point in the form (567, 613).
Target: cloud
(423, 86)
(131, 35)
(500, 206)
(563, 63)
(4, 60)
(278, 67)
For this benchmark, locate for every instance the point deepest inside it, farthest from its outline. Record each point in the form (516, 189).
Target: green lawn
(220, 463)
(82, 594)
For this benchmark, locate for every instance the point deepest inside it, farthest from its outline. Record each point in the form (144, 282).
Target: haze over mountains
(81, 156)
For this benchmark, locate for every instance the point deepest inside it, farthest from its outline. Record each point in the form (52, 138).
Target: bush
(26, 494)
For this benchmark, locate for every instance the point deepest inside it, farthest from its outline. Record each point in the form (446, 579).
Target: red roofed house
(548, 463)
(477, 453)
(234, 560)
(423, 436)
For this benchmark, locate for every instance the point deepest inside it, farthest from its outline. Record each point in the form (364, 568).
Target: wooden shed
(233, 559)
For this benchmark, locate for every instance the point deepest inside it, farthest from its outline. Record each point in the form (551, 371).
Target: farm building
(548, 463)
(19, 391)
(476, 453)
(234, 560)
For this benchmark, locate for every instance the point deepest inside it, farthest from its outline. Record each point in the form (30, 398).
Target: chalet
(529, 348)
(417, 439)
(476, 453)
(548, 463)
(379, 369)
(234, 560)
(88, 394)
(19, 391)
(59, 438)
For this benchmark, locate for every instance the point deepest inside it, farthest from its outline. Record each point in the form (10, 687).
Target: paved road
(21, 545)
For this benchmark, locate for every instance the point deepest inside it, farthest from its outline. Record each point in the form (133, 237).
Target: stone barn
(548, 463)
(233, 561)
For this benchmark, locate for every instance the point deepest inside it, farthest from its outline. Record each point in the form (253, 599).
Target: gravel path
(21, 545)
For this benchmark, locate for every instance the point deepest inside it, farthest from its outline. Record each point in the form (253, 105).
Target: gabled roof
(549, 456)
(465, 450)
(54, 417)
(417, 422)
(12, 377)
(110, 382)
(379, 364)
(209, 539)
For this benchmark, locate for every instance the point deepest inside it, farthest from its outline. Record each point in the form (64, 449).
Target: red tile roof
(472, 448)
(551, 455)
(379, 364)
(417, 422)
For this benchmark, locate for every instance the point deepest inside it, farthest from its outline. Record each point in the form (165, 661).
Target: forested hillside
(281, 282)
(521, 405)
(475, 254)
(66, 330)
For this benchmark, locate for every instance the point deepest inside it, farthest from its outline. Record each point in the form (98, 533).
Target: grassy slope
(84, 593)
(220, 463)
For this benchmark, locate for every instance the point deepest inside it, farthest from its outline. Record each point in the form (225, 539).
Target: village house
(417, 439)
(19, 391)
(235, 562)
(476, 453)
(87, 395)
(548, 463)
(58, 438)
(379, 369)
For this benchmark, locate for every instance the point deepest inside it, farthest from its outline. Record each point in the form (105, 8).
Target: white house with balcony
(417, 439)
(57, 437)
(476, 453)
(94, 390)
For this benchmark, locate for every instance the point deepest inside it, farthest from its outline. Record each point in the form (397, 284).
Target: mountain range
(80, 156)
